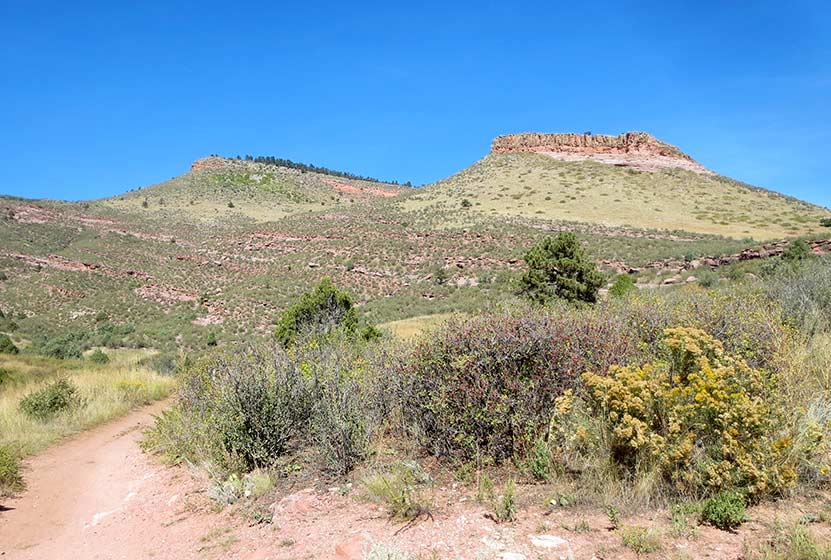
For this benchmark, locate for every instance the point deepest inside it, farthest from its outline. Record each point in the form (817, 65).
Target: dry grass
(537, 186)
(405, 329)
(106, 392)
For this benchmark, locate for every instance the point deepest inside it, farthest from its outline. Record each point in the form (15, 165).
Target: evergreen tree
(559, 268)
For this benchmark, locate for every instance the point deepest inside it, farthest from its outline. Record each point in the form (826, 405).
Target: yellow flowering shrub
(704, 420)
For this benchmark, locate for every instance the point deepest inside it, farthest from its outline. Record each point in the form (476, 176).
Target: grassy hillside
(536, 186)
(219, 252)
(234, 190)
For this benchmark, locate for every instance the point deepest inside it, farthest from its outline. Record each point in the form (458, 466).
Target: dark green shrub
(486, 386)
(64, 347)
(825, 222)
(370, 333)
(797, 250)
(7, 346)
(726, 510)
(109, 334)
(318, 312)
(622, 286)
(59, 396)
(5, 375)
(559, 268)
(10, 479)
(99, 357)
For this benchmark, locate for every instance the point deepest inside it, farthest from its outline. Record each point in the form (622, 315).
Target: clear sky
(100, 97)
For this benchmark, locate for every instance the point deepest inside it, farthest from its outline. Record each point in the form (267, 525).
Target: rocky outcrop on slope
(637, 150)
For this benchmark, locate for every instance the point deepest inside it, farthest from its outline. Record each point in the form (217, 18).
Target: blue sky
(100, 97)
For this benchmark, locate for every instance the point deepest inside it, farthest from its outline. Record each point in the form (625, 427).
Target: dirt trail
(97, 496)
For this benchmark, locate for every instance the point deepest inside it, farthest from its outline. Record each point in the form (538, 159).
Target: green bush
(10, 479)
(66, 346)
(559, 268)
(640, 539)
(99, 357)
(622, 286)
(725, 510)
(797, 250)
(7, 346)
(43, 404)
(318, 312)
(825, 222)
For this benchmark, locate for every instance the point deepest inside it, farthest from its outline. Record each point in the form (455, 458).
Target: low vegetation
(45, 399)
(682, 396)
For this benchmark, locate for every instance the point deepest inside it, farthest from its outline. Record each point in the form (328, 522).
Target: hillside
(174, 265)
(224, 189)
(632, 180)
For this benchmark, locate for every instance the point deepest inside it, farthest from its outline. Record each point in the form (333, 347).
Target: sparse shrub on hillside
(99, 357)
(57, 397)
(702, 421)
(707, 278)
(559, 268)
(623, 285)
(110, 334)
(825, 222)
(7, 346)
(10, 479)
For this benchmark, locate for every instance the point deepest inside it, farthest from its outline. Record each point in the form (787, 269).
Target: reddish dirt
(352, 189)
(97, 496)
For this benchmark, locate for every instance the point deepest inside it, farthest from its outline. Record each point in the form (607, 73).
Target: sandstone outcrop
(637, 150)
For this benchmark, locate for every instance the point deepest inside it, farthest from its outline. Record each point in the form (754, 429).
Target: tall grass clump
(804, 292)
(11, 480)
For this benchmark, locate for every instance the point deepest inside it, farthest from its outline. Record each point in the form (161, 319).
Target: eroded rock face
(637, 150)
(212, 162)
